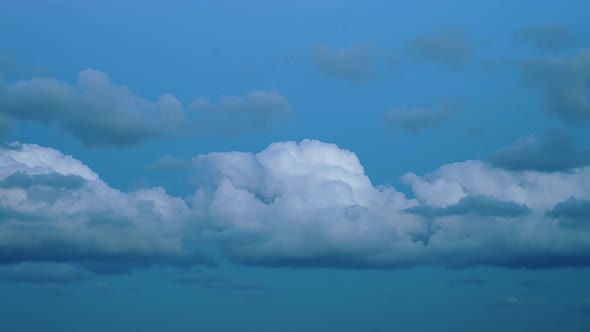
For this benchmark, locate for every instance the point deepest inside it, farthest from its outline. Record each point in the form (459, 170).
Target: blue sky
(294, 165)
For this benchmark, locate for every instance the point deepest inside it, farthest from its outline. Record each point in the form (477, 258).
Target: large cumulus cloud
(305, 204)
(54, 209)
(310, 204)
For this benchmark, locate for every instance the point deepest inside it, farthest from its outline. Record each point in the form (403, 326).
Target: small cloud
(53, 180)
(572, 213)
(352, 64)
(235, 114)
(448, 48)
(92, 109)
(549, 37)
(564, 83)
(554, 152)
(467, 281)
(418, 119)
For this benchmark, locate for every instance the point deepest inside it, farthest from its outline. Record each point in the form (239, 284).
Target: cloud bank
(54, 209)
(310, 204)
(100, 113)
(297, 204)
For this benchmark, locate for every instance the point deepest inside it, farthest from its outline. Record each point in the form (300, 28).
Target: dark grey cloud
(42, 273)
(100, 113)
(256, 110)
(93, 109)
(53, 209)
(554, 152)
(572, 212)
(218, 282)
(481, 206)
(549, 37)
(467, 281)
(447, 48)
(352, 64)
(418, 119)
(564, 83)
(54, 180)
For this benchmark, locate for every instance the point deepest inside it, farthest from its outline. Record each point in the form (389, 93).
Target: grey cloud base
(100, 113)
(306, 204)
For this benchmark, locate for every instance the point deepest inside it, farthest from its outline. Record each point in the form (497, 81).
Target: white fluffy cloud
(55, 209)
(292, 204)
(311, 204)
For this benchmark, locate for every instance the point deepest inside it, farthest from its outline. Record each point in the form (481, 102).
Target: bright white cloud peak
(293, 204)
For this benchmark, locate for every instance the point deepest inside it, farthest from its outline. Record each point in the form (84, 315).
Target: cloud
(235, 114)
(352, 64)
(549, 37)
(44, 273)
(554, 152)
(572, 212)
(310, 204)
(100, 113)
(93, 109)
(54, 209)
(218, 283)
(467, 281)
(297, 204)
(418, 119)
(450, 49)
(480, 206)
(564, 83)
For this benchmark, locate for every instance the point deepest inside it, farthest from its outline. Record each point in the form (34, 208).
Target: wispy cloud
(352, 64)
(549, 37)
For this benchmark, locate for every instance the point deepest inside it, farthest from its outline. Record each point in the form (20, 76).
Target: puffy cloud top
(292, 204)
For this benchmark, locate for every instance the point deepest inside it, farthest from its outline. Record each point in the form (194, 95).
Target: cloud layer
(99, 112)
(310, 204)
(54, 209)
(553, 152)
(305, 204)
